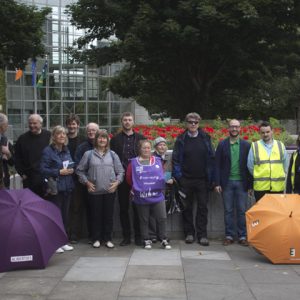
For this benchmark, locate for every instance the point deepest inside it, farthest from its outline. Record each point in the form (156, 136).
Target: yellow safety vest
(268, 172)
(295, 154)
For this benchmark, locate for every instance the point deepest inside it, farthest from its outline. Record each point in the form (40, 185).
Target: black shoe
(189, 239)
(125, 242)
(138, 242)
(203, 241)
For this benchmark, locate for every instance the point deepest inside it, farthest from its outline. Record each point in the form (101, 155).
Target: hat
(159, 140)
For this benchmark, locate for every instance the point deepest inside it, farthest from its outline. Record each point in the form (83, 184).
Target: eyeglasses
(193, 122)
(234, 127)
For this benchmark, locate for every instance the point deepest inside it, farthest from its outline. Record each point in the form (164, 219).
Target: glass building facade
(68, 88)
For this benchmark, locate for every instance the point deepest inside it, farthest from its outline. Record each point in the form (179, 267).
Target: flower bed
(249, 133)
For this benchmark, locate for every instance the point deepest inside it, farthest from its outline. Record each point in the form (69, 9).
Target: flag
(19, 74)
(40, 82)
(33, 72)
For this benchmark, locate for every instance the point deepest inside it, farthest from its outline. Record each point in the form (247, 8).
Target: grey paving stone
(218, 292)
(148, 288)
(154, 272)
(67, 258)
(279, 276)
(50, 271)
(98, 269)
(276, 291)
(22, 297)
(202, 254)
(252, 260)
(212, 275)
(155, 257)
(34, 287)
(85, 290)
(150, 298)
(209, 264)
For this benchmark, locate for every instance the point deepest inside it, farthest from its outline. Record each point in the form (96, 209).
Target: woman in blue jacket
(57, 166)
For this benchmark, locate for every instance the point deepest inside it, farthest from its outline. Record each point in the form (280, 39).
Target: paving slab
(155, 257)
(34, 287)
(279, 276)
(85, 290)
(150, 298)
(22, 297)
(149, 287)
(196, 291)
(52, 270)
(200, 254)
(196, 274)
(98, 269)
(276, 291)
(154, 272)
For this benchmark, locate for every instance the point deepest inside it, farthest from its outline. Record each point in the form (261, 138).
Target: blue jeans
(234, 196)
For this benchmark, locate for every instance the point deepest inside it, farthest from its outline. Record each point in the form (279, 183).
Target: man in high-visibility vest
(267, 162)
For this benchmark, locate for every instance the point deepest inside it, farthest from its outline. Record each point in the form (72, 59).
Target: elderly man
(82, 193)
(28, 153)
(193, 168)
(6, 154)
(267, 162)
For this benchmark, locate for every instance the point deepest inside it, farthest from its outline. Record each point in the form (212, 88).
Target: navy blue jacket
(177, 157)
(52, 162)
(81, 149)
(223, 164)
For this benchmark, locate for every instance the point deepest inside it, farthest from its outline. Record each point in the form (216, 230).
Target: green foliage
(215, 56)
(21, 33)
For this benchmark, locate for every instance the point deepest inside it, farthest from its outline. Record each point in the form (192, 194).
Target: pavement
(187, 272)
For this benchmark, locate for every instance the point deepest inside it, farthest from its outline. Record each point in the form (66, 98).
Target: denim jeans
(235, 197)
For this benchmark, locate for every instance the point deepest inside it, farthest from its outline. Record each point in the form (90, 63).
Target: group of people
(87, 172)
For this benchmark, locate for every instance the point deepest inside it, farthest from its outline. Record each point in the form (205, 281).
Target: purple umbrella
(31, 229)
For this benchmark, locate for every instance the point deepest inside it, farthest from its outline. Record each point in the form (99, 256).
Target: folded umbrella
(31, 229)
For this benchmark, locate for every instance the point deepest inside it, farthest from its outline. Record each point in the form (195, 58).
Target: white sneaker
(60, 250)
(96, 244)
(165, 244)
(67, 248)
(147, 244)
(109, 244)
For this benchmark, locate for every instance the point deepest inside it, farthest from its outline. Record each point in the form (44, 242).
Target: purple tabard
(148, 182)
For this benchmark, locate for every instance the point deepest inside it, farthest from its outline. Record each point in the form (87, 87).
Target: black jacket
(117, 145)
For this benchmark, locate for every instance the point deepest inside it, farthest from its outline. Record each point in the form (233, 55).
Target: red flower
(245, 137)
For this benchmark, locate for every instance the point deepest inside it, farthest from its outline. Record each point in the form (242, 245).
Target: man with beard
(125, 144)
(233, 181)
(267, 162)
(28, 153)
(76, 213)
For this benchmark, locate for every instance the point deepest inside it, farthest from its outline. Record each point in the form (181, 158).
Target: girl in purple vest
(145, 174)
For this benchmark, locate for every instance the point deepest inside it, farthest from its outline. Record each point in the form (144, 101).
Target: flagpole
(47, 94)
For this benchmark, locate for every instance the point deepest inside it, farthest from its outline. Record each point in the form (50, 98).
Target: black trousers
(62, 201)
(124, 203)
(195, 189)
(102, 213)
(79, 213)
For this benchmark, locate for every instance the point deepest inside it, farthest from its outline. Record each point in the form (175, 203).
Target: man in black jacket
(28, 153)
(193, 162)
(125, 144)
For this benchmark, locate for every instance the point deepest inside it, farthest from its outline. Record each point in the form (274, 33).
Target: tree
(21, 33)
(192, 55)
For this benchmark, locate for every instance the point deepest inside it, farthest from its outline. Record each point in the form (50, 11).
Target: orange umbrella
(273, 227)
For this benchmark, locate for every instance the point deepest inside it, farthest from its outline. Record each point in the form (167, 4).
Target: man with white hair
(28, 153)
(6, 153)
(88, 144)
